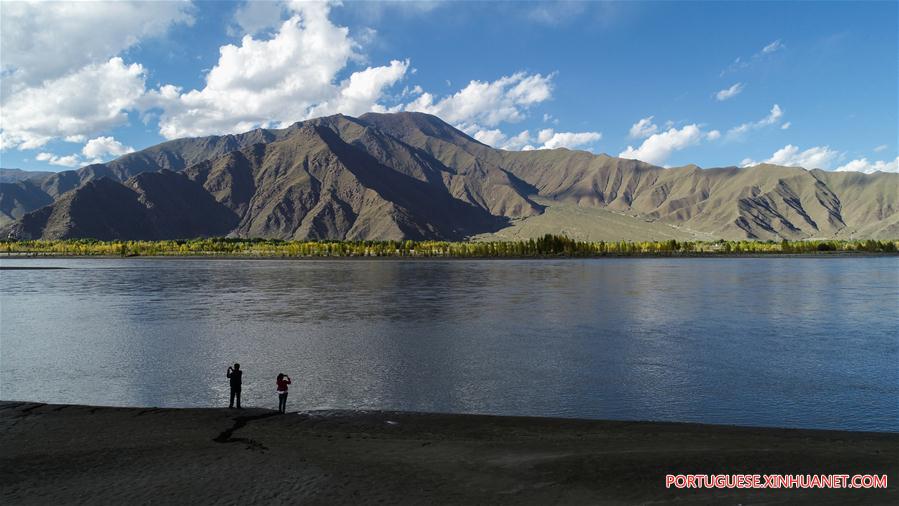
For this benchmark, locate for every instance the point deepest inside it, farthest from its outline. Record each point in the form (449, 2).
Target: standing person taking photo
(282, 381)
(235, 375)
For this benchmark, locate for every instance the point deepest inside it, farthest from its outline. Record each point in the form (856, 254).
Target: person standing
(235, 375)
(282, 382)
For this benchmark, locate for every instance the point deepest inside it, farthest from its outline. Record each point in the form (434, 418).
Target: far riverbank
(548, 246)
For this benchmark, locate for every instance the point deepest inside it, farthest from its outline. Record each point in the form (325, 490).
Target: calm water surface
(797, 342)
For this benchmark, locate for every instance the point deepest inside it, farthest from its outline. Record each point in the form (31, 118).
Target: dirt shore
(58, 454)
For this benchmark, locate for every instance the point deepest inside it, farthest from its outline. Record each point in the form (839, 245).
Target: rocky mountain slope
(412, 176)
(172, 155)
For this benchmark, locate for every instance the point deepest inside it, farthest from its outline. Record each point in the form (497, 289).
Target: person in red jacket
(282, 381)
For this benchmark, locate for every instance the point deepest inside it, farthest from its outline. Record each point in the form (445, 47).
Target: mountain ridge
(413, 176)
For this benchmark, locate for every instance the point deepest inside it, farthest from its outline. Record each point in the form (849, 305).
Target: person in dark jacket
(282, 381)
(235, 375)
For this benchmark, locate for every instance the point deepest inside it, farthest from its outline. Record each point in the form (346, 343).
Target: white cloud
(519, 141)
(276, 81)
(817, 157)
(773, 117)
(880, 148)
(552, 139)
(64, 161)
(728, 93)
(105, 147)
(488, 103)
(863, 165)
(94, 98)
(786, 126)
(47, 40)
(545, 139)
(822, 157)
(772, 47)
(495, 137)
(256, 16)
(60, 74)
(643, 128)
(291, 75)
(287, 74)
(96, 150)
(713, 135)
(362, 90)
(658, 147)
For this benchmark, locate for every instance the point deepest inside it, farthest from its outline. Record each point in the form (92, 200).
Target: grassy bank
(547, 246)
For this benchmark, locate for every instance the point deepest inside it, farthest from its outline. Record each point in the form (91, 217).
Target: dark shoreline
(63, 453)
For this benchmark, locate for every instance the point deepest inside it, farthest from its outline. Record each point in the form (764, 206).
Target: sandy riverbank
(56, 454)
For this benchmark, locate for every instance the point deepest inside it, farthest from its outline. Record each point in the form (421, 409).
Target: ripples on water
(800, 342)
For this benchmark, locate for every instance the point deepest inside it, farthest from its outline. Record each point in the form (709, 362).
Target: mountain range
(413, 176)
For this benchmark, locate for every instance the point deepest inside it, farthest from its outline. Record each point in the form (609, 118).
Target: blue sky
(812, 84)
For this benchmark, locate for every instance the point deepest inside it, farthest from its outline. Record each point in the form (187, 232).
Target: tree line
(546, 246)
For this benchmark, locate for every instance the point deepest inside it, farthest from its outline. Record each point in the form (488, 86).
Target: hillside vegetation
(546, 246)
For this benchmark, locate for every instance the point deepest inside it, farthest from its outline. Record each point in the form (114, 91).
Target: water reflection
(772, 341)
